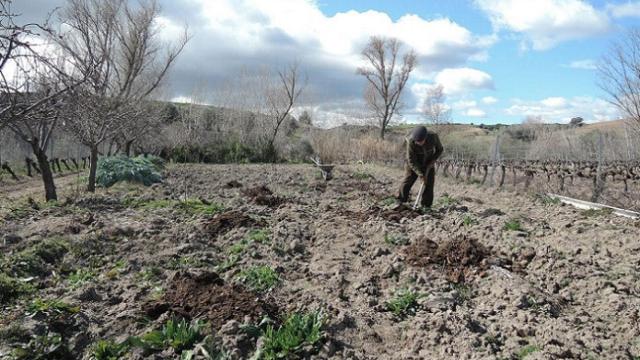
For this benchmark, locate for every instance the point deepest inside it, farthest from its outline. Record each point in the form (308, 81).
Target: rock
(379, 252)
(230, 328)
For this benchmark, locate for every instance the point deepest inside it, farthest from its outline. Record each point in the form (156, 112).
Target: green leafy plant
(297, 332)
(177, 334)
(34, 261)
(184, 262)
(447, 200)
(80, 277)
(462, 293)
(469, 221)
(114, 169)
(405, 302)
(150, 273)
(51, 307)
(526, 351)
(546, 199)
(396, 239)
(389, 201)
(513, 225)
(109, 350)
(259, 278)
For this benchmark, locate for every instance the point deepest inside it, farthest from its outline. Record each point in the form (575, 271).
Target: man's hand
(423, 178)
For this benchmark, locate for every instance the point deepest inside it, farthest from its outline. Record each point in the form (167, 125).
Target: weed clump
(51, 308)
(297, 332)
(179, 335)
(35, 260)
(404, 303)
(11, 288)
(260, 278)
(513, 225)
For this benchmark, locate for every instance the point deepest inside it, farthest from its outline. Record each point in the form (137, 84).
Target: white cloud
(461, 80)
(489, 100)
(558, 109)
(464, 104)
(628, 9)
(545, 23)
(475, 112)
(586, 64)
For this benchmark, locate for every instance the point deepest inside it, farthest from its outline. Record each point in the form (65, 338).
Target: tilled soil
(562, 284)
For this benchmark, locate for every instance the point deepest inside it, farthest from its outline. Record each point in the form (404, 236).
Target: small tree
(305, 118)
(116, 47)
(619, 76)
(434, 108)
(31, 99)
(386, 78)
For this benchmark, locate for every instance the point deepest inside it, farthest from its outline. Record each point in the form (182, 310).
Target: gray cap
(419, 133)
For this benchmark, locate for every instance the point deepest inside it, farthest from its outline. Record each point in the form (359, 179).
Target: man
(423, 149)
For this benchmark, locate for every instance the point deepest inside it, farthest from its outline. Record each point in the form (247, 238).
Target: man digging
(423, 149)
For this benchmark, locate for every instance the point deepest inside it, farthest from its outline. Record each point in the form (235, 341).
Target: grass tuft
(259, 278)
(51, 307)
(396, 239)
(526, 351)
(513, 225)
(404, 303)
(179, 335)
(298, 331)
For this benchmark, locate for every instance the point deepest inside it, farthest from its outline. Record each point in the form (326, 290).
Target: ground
(485, 274)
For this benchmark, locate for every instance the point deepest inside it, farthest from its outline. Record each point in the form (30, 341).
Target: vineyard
(614, 182)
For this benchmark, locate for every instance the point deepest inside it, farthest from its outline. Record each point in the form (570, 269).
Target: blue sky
(498, 60)
(528, 75)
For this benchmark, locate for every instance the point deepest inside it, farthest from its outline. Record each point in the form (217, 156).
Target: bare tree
(116, 47)
(435, 108)
(386, 78)
(33, 94)
(263, 101)
(619, 76)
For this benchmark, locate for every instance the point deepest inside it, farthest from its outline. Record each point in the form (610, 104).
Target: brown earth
(563, 286)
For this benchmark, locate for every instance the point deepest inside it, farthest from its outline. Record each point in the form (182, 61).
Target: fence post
(599, 183)
(494, 159)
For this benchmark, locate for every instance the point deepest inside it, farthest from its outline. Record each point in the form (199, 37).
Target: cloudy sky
(498, 60)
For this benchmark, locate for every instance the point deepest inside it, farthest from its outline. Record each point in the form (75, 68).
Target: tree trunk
(92, 169)
(127, 148)
(47, 175)
(382, 132)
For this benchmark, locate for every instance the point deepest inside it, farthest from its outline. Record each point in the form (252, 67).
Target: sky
(499, 61)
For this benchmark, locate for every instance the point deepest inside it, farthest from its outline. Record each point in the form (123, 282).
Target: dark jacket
(419, 158)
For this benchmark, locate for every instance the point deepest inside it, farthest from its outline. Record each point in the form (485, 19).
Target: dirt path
(33, 186)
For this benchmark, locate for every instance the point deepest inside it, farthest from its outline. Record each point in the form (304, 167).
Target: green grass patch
(12, 288)
(150, 273)
(184, 262)
(545, 199)
(297, 332)
(109, 350)
(526, 351)
(80, 277)
(259, 278)
(389, 201)
(51, 307)
(468, 221)
(513, 225)
(35, 260)
(396, 239)
(597, 212)
(405, 302)
(189, 206)
(361, 175)
(447, 200)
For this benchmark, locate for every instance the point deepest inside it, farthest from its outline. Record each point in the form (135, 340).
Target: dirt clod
(233, 184)
(262, 195)
(461, 257)
(206, 295)
(226, 221)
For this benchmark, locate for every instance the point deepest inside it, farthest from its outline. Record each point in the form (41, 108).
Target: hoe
(415, 205)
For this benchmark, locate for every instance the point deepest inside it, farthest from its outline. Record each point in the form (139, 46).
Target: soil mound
(461, 257)
(207, 296)
(262, 195)
(226, 221)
